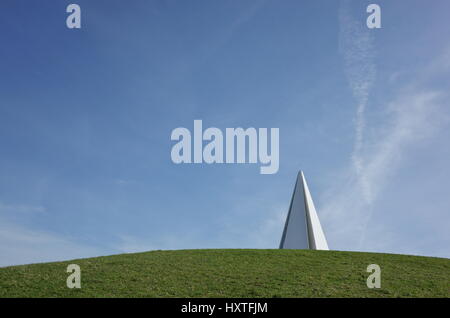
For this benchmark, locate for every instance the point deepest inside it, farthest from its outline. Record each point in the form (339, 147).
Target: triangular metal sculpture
(302, 229)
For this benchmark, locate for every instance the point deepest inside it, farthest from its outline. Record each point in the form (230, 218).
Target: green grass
(233, 273)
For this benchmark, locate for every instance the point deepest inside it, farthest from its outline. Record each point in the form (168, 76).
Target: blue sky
(86, 117)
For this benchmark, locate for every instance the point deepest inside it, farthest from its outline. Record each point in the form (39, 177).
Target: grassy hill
(233, 273)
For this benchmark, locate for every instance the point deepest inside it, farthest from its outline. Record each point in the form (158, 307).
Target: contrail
(409, 115)
(356, 46)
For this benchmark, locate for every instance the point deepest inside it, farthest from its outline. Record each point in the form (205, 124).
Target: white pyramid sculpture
(302, 229)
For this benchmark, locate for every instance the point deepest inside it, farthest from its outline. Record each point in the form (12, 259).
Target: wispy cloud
(20, 209)
(20, 244)
(356, 46)
(264, 232)
(412, 117)
(407, 121)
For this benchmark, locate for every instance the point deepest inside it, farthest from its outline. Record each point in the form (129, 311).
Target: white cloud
(409, 120)
(413, 117)
(356, 46)
(20, 244)
(263, 232)
(20, 209)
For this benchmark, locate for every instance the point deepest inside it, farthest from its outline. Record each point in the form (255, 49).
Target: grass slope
(233, 273)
